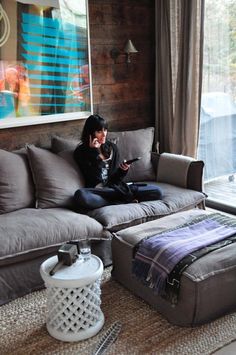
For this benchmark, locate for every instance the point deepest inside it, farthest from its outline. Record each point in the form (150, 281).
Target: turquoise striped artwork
(52, 65)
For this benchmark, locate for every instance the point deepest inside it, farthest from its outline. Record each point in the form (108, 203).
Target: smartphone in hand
(131, 160)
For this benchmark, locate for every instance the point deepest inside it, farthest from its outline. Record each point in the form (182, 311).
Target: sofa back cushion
(59, 144)
(132, 144)
(16, 183)
(55, 178)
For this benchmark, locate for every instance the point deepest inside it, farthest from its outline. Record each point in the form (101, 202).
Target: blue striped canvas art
(45, 70)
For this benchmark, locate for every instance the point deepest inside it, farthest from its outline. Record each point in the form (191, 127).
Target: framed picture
(45, 67)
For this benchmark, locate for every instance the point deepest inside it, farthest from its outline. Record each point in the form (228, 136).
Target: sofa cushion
(117, 217)
(35, 230)
(179, 199)
(68, 155)
(59, 144)
(132, 144)
(55, 179)
(16, 184)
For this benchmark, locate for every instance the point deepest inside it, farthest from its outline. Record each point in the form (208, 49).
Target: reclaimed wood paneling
(123, 94)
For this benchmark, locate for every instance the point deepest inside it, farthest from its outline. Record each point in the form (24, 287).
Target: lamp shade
(129, 47)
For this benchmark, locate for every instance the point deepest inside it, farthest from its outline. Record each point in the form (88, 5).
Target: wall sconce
(128, 50)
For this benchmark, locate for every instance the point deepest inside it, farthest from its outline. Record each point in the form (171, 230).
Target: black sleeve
(89, 163)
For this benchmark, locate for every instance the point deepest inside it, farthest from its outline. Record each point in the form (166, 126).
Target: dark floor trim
(221, 206)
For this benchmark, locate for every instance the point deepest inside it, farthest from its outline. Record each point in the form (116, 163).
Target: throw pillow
(68, 155)
(16, 184)
(132, 144)
(56, 180)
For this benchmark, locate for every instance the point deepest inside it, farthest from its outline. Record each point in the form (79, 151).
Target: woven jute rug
(144, 331)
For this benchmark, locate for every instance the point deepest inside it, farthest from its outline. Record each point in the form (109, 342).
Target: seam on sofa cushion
(209, 274)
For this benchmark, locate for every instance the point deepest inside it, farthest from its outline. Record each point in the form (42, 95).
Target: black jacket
(91, 164)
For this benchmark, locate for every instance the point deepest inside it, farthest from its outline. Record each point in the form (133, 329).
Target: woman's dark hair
(93, 123)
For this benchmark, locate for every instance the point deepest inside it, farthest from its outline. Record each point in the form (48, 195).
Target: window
(217, 139)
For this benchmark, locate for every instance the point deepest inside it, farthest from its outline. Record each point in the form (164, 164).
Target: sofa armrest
(179, 170)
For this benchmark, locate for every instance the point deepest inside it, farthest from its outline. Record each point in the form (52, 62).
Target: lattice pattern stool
(73, 299)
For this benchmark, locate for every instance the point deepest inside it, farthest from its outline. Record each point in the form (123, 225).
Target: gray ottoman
(208, 286)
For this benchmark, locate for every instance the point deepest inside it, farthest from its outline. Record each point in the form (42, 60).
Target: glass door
(217, 138)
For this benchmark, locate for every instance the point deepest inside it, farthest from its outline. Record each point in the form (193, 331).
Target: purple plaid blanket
(157, 256)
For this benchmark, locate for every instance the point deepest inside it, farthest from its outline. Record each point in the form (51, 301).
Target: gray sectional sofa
(37, 213)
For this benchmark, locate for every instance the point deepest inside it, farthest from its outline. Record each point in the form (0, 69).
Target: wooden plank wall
(124, 95)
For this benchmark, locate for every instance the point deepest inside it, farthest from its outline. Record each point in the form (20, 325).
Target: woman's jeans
(91, 198)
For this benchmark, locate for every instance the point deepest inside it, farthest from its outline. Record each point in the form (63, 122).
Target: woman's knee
(89, 199)
(157, 192)
(149, 193)
(81, 198)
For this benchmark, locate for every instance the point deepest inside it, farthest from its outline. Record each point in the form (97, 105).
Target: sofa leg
(202, 205)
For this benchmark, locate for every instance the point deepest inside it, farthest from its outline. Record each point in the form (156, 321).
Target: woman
(98, 159)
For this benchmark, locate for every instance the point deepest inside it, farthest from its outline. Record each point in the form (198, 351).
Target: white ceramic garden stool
(73, 299)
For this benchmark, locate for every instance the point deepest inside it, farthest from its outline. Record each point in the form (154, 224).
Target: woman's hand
(124, 166)
(93, 142)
